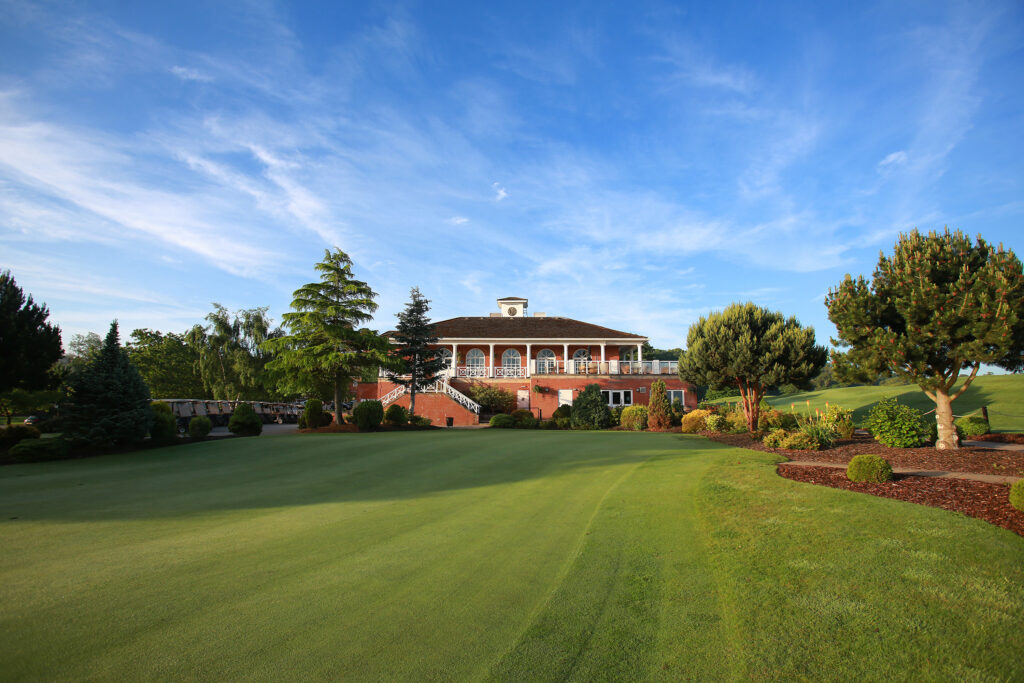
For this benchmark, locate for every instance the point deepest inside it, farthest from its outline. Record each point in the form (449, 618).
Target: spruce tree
(417, 361)
(109, 403)
(938, 306)
(29, 345)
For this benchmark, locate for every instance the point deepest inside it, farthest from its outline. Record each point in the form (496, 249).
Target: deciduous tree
(232, 355)
(417, 362)
(168, 364)
(938, 306)
(753, 349)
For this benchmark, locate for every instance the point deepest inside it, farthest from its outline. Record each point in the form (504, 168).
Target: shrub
(972, 425)
(520, 415)
(736, 422)
(503, 421)
(870, 468)
(199, 427)
(313, 413)
(589, 410)
(775, 419)
(38, 450)
(822, 435)
(527, 421)
(51, 425)
(840, 420)
(548, 424)
(493, 399)
(895, 425)
(396, 415)
(563, 422)
(775, 438)
(693, 421)
(715, 423)
(165, 427)
(659, 411)
(302, 420)
(677, 413)
(799, 441)
(368, 415)
(244, 421)
(635, 418)
(420, 421)
(617, 415)
(15, 434)
(563, 410)
(1017, 494)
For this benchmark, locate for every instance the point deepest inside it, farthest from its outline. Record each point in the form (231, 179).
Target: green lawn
(1003, 394)
(489, 555)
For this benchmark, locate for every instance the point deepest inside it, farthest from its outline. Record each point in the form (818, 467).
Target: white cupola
(512, 307)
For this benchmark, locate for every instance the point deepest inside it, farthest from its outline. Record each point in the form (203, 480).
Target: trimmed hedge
(634, 418)
(313, 413)
(503, 421)
(244, 421)
(869, 468)
(368, 415)
(972, 425)
(1017, 494)
(199, 427)
(396, 415)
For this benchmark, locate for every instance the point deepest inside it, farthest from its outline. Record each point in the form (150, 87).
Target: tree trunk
(337, 399)
(751, 395)
(412, 402)
(944, 421)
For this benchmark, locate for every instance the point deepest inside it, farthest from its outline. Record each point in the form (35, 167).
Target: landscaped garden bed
(974, 498)
(976, 460)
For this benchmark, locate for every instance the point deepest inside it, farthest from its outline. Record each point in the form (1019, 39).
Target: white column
(455, 360)
(602, 352)
(528, 360)
(490, 370)
(640, 352)
(565, 358)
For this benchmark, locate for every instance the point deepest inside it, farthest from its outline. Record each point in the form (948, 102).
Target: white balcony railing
(509, 371)
(472, 371)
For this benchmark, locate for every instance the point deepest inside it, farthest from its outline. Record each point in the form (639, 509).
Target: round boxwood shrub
(1017, 494)
(895, 425)
(716, 423)
(564, 410)
(244, 421)
(973, 425)
(165, 427)
(503, 421)
(526, 422)
(520, 415)
(870, 468)
(396, 415)
(15, 434)
(420, 421)
(199, 426)
(634, 418)
(368, 415)
(693, 421)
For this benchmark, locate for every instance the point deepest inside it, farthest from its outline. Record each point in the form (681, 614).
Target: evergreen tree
(29, 345)
(109, 403)
(416, 362)
(753, 349)
(325, 349)
(659, 412)
(589, 410)
(938, 306)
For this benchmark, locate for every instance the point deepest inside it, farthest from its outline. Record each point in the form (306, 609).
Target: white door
(565, 397)
(523, 399)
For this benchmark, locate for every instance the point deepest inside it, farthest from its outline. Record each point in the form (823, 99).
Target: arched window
(446, 355)
(510, 359)
(475, 358)
(581, 354)
(546, 361)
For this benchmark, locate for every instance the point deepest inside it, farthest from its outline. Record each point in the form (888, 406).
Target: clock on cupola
(512, 307)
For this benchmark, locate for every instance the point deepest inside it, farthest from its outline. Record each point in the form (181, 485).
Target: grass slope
(500, 555)
(1003, 394)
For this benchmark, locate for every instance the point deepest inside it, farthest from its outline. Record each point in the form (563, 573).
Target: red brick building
(545, 361)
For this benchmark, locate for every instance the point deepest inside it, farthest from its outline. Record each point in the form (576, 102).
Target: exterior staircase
(441, 386)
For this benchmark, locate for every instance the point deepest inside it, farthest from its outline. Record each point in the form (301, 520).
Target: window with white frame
(475, 358)
(546, 361)
(618, 398)
(446, 355)
(581, 354)
(510, 359)
(676, 395)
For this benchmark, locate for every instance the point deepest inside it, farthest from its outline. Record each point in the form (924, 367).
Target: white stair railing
(392, 395)
(442, 387)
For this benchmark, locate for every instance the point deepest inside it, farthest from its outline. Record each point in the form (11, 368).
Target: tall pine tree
(416, 359)
(109, 402)
(326, 349)
(938, 306)
(29, 345)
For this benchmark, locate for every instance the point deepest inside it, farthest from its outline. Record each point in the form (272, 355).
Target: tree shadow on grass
(274, 472)
(972, 400)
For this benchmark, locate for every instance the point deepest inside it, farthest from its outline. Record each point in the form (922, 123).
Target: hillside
(1003, 394)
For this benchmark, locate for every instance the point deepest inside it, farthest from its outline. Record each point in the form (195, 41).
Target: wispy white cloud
(897, 158)
(188, 74)
(500, 192)
(458, 220)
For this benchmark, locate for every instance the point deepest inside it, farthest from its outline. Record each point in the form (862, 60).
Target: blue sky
(634, 164)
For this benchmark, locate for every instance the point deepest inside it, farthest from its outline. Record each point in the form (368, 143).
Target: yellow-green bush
(693, 421)
(634, 418)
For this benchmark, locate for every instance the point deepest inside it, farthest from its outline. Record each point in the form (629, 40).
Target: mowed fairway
(489, 555)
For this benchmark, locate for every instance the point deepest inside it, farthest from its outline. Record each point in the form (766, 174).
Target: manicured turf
(1003, 394)
(489, 554)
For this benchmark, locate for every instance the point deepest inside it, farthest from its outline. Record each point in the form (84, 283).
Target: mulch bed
(999, 438)
(976, 460)
(989, 502)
